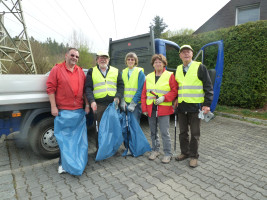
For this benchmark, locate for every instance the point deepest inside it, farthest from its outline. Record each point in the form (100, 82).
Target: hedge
(245, 62)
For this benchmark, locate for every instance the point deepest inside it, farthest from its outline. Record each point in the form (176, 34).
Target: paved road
(232, 165)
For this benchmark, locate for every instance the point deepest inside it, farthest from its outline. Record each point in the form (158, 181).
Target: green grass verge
(259, 114)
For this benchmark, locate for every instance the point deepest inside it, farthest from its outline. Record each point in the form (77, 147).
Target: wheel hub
(49, 140)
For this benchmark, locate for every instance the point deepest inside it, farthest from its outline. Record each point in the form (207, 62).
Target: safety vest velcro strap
(130, 89)
(150, 97)
(190, 95)
(111, 83)
(99, 84)
(157, 91)
(193, 87)
(128, 95)
(104, 90)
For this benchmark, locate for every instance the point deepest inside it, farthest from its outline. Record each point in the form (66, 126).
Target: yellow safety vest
(190, 87)
(104, 86)
(130, 85)
(161, 88)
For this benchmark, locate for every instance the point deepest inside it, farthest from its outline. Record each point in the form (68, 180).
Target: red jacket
(170, 96)
(58, 83)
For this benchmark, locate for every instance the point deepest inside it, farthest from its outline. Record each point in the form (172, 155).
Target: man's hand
(145, 113)
(87, 109)
(159, 100)
(94, 106)
(54, 111)
(131, 107)
(206, 109)
(175, 104)
(116, 101)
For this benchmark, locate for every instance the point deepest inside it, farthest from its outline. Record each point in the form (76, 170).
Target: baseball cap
(102, 53)
(186, 46)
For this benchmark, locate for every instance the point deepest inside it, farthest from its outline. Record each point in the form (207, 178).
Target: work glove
(159, 100)
(123, 104)
(116, 102)
(131, 107)
(201, 114)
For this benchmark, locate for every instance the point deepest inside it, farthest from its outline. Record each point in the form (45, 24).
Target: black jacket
(203, 75)
(107, 99)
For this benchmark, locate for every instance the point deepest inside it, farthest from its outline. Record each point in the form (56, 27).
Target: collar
(65, 66)
(188, 64)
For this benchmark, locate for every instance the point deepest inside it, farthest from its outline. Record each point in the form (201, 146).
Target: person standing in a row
(163, 84)
(65, 88)
(133, 78)
(195, 93)
(103, 85)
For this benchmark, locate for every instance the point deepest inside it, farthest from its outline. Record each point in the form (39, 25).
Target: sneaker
(60, 169)
(181, 157)
(166, 159)
(154, 155)
(193, 162)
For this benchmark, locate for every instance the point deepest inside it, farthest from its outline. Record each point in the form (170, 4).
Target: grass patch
(259, 114)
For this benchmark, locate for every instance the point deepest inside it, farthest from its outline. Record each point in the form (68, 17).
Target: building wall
(225, 17)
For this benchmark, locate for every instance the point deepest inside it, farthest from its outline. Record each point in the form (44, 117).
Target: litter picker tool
(96, 127)
(175, 125)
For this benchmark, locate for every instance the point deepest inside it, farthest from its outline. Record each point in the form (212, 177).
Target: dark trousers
(185, 121)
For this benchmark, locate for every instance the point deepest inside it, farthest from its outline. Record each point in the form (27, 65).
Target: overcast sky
(99, 20)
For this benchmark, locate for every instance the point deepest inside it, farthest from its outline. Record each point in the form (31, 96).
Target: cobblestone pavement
(232, 165)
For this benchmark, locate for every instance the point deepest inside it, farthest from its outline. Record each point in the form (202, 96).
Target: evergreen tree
(158, 26)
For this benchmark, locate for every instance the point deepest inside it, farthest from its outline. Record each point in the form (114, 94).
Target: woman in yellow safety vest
(158, 106)
(133, 78)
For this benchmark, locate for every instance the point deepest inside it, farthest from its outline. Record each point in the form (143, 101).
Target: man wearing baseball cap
(195, 93)
(103, 85)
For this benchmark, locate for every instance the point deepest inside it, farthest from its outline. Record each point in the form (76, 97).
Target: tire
(42, 139)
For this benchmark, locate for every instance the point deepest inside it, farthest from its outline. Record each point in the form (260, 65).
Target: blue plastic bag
(71, 134)
(135, 137)
(109, 134)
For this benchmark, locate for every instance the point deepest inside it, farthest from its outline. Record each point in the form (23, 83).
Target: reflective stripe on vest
(190, 87)
(104, 86)
(160, 88)
(130, 84)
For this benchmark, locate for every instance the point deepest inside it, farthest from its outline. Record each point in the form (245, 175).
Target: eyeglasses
(130, 59)
(72, 55)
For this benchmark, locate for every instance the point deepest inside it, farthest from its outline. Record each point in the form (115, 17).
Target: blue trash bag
(134, 138)
(109, 134)
(71, 134)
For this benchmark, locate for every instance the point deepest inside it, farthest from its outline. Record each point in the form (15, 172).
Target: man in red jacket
(65, 88)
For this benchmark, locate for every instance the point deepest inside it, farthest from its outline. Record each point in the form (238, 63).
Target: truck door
(212, 56)
(171, 51)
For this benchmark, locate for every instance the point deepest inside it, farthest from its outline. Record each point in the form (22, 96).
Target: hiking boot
(193, 162)
(166, 159)
(181, 157)
(60, 169)
(154, 155)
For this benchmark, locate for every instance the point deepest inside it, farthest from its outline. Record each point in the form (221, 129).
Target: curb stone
(249, 119)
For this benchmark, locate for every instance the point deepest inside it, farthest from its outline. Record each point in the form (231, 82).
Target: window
(247, 14)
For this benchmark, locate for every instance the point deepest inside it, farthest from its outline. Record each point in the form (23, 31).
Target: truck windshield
(172, 55)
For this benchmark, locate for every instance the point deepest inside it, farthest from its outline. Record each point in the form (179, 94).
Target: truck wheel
(42, 139)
